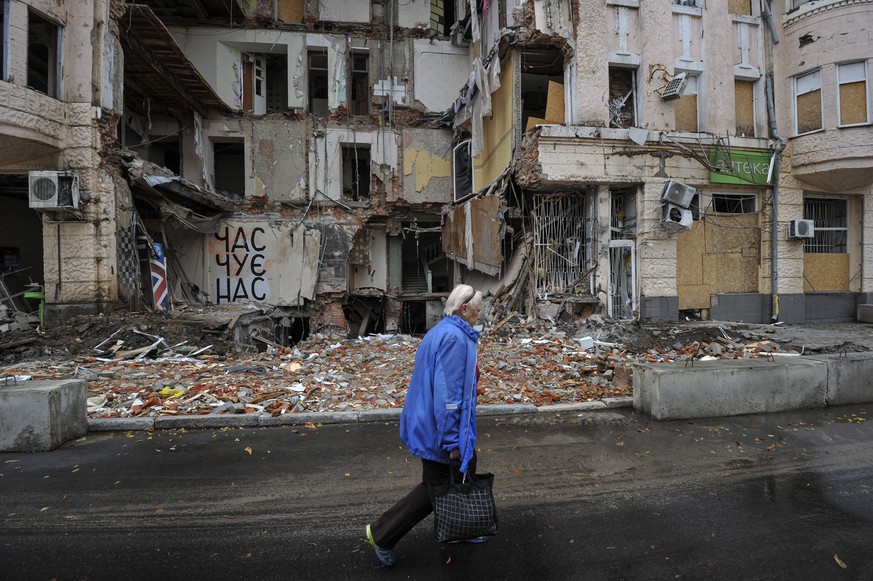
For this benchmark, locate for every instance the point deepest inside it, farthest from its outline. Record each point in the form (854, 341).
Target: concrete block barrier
(38, 416)
(729, 387)
(850, 377)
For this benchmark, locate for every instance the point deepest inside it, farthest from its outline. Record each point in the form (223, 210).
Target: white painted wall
(325, 160)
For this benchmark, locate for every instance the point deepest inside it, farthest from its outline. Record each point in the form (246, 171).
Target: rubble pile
(138, 373)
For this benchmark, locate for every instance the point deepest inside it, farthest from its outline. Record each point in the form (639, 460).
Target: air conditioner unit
(679, 194)
(676, 219)
(674, 88)
(801, 229)
(53, 189)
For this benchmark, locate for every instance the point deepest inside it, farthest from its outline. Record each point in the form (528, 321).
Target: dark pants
(415, 506)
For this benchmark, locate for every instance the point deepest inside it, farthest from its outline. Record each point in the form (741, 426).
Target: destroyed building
(346, 162)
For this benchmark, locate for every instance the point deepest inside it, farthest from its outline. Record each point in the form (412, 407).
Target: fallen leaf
(46, 508)
(309, 426)
(449, 560)
(840, 562)
(249, 450)
(159, 510)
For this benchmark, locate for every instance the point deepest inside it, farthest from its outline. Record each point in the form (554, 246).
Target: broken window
(228, 159)
(462, 170)
(807, 103)
(359, 95)
(830, 225)
(318, 84)
(734, 203)
(356, 172)
(622, 97)
(277, 82)
(561, 242)
(852, 96)
(43, 55)
(442, 16)
(254, 84)
(542, 87)
(686, 106)
(623, 215)
(744, 103)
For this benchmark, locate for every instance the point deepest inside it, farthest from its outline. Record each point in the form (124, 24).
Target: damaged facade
(640, 172)
(346, 163)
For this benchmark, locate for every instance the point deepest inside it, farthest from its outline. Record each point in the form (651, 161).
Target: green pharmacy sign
(748, 168)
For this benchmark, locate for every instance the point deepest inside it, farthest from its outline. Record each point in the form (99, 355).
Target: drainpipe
(774, 230)
(777, 155)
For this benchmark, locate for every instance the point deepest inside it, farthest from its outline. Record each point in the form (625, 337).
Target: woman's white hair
(461, 295)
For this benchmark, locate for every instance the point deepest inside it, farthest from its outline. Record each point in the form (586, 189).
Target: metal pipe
(774, 233)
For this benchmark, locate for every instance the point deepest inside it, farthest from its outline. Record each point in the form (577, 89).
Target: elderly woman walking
(438, 423)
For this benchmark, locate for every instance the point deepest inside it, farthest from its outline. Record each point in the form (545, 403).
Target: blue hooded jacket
(440, 410)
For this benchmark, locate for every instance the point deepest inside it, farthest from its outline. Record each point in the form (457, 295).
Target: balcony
(835, 160)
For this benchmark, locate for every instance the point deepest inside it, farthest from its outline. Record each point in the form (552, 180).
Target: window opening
(852, 95)
(359, 101)
(807, 101)
(277, 82)
(623, 217)
(462, 169)
(560, 242)
(318, 84)
(691, 3)
(442, 16)
(830, 225)
(228, 158)
(735, 203)
(542, 93)
(43, 45)
(622, 97)
(356, 172)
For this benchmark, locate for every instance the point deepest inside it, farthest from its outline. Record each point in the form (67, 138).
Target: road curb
(263, 420)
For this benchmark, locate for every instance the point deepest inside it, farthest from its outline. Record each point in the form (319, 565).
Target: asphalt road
(602, 495)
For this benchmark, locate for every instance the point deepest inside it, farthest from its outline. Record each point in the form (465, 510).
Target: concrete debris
(521, 363)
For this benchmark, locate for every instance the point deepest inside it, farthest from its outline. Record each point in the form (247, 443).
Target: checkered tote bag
(464, 510)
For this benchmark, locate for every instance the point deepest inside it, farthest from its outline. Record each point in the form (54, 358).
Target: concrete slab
(38, 416)
(850, 377)
(865, 313)
(732, 387)
(207, 421)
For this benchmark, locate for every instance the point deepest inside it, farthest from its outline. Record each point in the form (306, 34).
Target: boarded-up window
(853, 93)
(686, 107)
(622, 97)
(807, 102)
(289, 10)
(740, 7)
(744, 101)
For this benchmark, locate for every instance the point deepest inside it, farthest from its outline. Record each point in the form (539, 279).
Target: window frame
(795, 95)
(55, 84)
(811, 242)
(865, 66)
(739, 198)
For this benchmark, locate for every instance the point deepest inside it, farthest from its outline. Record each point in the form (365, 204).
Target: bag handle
(452, 476)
